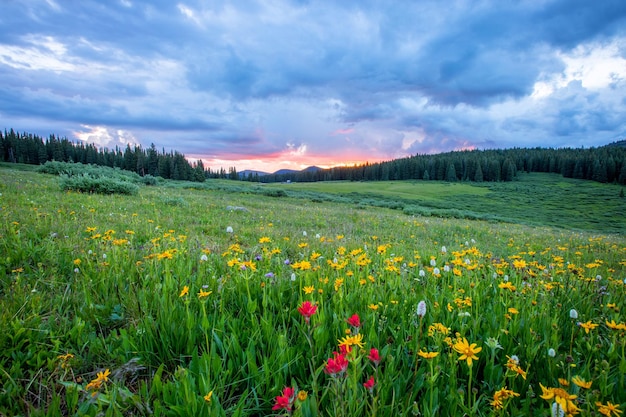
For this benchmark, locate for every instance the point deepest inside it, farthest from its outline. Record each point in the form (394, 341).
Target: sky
(272, 84)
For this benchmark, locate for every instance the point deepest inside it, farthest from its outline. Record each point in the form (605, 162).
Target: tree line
(28, 148)
(606, 164)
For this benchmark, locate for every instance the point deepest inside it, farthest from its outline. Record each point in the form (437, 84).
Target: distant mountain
(246, 173)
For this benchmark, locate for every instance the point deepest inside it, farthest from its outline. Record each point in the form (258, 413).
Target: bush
(100, 185)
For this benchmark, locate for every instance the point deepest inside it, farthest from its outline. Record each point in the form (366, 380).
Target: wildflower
(184, 292)
(265, 239)
(285, 400)
(337, 365)
(581, 382)
(493, 343)
(562, 398)
(302, 395)
(427, 355)
(76, 261)
(551, 353)
(101, 377)
(421, 308)
(467, 351)
(373, 307)
(307, 309)
(608, 409)
(203, 293)
(513, 365)
(208, 397)
(573, 314)
(369, 384)
(229, 229)
(204, 258)
(374, 356)
(507, 285)
(615, 326)
(513, 310)
(349, 341)
(501, 395)
(309, 289)
(588, 326)
(354, 321)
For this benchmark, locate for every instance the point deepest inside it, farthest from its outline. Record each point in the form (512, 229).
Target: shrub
(100, 185)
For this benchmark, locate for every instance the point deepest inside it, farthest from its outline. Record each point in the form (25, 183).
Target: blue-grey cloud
(266, 77)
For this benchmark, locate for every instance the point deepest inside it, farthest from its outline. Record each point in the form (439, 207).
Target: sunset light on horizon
(286, 84)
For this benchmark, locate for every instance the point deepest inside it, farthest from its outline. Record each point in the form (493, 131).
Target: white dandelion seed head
(551, 353)
(76, 270)
(304, 233)
(444, 249)
(229, 229)
(104, 256)
(573, 314)
(204, 258)
(467, 261)
(433, 262)
(293, 276)
(494, 275)
(422, 273)
(506, 278)
(598, 277)
(557, 410)
(446, 268)
(317, 236)
(515, 359)
(90, 252)
(436, 271)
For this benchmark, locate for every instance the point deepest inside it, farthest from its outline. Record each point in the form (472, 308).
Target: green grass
(534, 199)
(90, 283)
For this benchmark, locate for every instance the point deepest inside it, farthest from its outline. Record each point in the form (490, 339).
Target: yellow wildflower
(588, 326)
(608, 409)
(467, 351)
(349, 341)
(427, 355)
(581, 382)
(185, 291)
(208, 397)
(309, 289)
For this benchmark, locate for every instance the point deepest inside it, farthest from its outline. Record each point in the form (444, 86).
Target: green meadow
(227, 298)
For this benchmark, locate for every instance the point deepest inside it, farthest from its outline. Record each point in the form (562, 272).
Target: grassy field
(311, 302)
(535, 199)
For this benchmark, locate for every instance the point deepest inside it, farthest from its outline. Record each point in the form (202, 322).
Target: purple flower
(287, 261)
(269, 275)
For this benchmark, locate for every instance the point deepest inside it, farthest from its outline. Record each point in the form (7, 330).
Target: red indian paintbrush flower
(354, 321)
(369, 384)
(284, 401)
(374, 356)
(307, 309)
(336, 365)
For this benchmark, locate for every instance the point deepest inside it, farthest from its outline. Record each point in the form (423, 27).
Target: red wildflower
(284, 401)
(374, 356)
(354, 321)
(336, 365)
(307, 309)
(369, 384)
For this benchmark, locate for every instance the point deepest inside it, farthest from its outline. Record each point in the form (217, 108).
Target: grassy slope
(534, 199)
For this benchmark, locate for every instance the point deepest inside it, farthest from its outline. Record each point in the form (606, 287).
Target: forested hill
(605, 164)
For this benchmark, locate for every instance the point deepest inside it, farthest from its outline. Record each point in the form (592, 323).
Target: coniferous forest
(605, 164)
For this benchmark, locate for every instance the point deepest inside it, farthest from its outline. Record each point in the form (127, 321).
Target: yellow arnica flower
(373, 307)
(467, 351)
(561, 397)
(615, 326)
(208, 397)
(302, 395)
(184, 292)
(581, 382)
(501, 395)
(349, 341)
(427, 355)
(609, 409)
(588, 326)
(97, 383)
(203, 293)
(309, 289)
